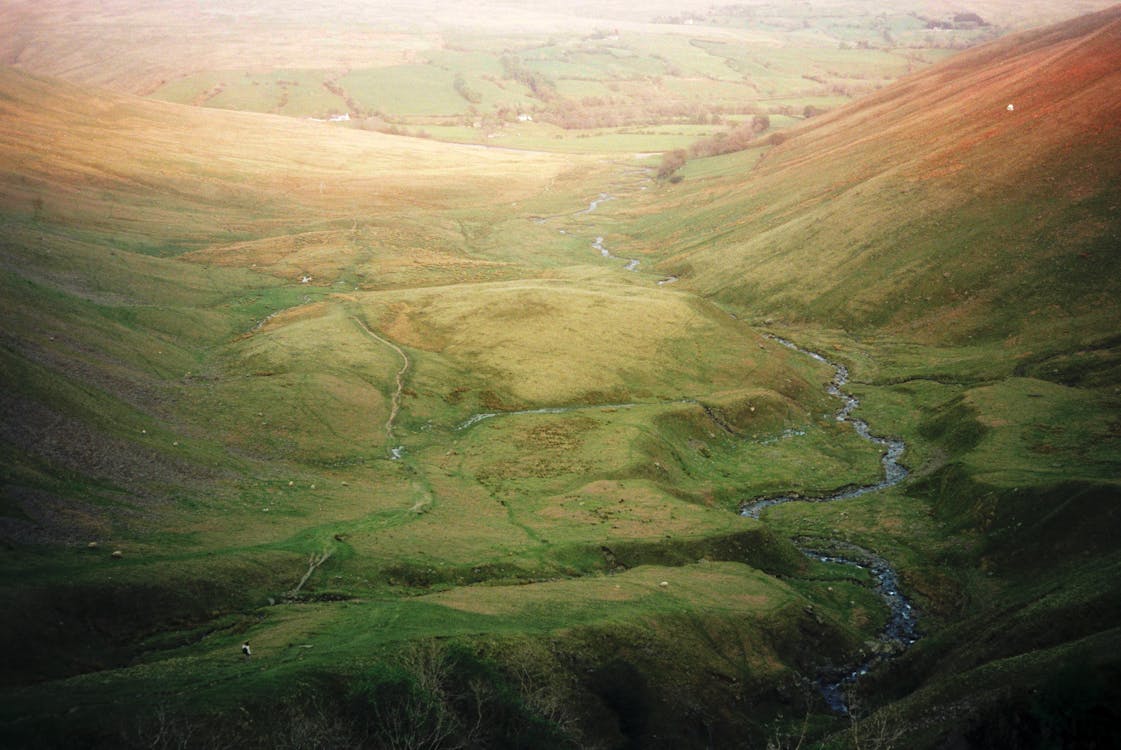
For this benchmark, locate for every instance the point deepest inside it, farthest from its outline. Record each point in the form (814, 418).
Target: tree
(464, 90)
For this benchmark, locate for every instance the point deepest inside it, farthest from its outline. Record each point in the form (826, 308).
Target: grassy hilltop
(399, 413)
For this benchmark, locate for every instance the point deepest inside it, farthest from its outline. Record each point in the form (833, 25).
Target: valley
(539, 444)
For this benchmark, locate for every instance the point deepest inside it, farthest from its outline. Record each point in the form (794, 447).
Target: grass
(216, 356)
(1037, 431)
(926, 277)
(413, 89)
(351, 638)
(175, 390)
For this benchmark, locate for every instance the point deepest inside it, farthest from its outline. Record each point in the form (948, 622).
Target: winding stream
(632, 263)
(900, 631)
(894, 472)
(474, 419)
(395, 451)
(603, 198)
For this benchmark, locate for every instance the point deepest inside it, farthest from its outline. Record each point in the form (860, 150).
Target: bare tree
(874, 731)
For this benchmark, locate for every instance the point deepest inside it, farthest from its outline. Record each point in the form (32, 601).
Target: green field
(583, 81)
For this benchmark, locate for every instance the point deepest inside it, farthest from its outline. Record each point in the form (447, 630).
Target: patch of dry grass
(726, 587)
(207, 177)
(553, 342)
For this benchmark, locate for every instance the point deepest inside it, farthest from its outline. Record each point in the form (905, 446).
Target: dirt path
(314, 561)
(394, 451)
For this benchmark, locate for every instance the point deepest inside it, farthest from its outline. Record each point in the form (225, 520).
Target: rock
(117, 554)
(92, 545)
(664, 584)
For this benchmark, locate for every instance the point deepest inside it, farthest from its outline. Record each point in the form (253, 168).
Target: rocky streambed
(901, 630)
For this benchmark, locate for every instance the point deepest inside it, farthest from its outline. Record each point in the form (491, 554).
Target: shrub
(671, 162)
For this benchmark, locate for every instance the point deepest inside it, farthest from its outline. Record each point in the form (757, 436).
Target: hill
(969, 200)
(383, 399)
(955, 237)
(603, 76)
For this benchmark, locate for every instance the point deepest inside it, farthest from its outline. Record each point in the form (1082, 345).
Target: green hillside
(961, 254)
(321, 394)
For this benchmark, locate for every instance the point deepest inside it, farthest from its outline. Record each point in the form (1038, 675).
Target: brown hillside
(94, 159)
(932, 206)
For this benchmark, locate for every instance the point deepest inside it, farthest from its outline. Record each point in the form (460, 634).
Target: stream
(395, 452)
(632, 263)
(894, 472)
(603, 198)
(900, 631)
(476, 418)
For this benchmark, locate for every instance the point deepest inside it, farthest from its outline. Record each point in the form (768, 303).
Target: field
(473, 73)
(457, 436)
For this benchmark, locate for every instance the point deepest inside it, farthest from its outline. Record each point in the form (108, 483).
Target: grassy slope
(965, 256)
(930, 209)
(173, 390)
